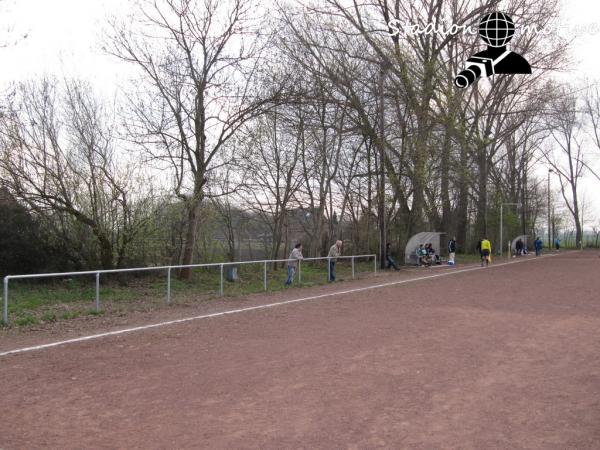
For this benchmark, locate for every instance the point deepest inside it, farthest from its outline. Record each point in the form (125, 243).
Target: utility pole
(582, 224)
(549, 220)
(485, 212)
(487, 141)
(381, 140)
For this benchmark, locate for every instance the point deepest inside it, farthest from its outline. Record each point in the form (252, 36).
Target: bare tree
(58, 156)
(199, 59)
(221, 199)
(568, 160)
(9, 35)
(320, 162)
(592, 110)
(397, 92)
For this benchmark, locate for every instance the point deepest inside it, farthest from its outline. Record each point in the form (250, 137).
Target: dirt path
(487, 359)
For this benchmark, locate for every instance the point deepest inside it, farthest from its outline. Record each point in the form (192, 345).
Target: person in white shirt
(295, 256)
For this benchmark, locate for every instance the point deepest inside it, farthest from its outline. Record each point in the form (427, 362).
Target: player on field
(486, 251)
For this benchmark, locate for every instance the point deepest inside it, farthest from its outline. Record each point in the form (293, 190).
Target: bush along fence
(226, 271)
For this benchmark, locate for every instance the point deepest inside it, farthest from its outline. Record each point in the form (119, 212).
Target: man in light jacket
(334, 252)
(295, 256)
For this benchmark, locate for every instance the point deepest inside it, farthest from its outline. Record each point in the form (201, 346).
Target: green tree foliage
(24, 247)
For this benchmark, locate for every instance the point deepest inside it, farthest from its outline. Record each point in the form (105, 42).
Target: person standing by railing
(451, 251)
(334, 252)
(295, 256)
(538, 244)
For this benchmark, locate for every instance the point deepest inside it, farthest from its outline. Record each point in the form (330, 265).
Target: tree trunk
(462, 213)
(578, 229)
(524, 208)
(482, 200)
(276, 241)
(381, 173)
(445, 186)
(190, 240)
(106, 252)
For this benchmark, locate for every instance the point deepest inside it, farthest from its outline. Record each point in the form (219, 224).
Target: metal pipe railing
(221, 266)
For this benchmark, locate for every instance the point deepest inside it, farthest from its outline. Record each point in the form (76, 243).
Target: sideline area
(451, 271)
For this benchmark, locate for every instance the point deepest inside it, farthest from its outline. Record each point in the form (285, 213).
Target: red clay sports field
(500, 358)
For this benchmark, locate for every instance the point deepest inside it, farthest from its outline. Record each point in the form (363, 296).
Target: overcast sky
(64, 38)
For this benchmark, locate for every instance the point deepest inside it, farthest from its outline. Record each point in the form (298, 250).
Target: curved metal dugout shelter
(527, 243)
(425, 237)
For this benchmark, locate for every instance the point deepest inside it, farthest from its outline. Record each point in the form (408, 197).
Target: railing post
(265, 276)
(353, 267)
(375, 264)
(221, 290)
(328, 268)
(299, 271)
(97, 291)
(168, 286)
(5, 307)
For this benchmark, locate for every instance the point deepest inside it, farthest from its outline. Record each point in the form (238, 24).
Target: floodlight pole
(549, 219)
(381, 188)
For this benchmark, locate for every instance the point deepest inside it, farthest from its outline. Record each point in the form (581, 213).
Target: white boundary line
(254, 308)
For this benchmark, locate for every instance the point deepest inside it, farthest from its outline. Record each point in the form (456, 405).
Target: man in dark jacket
(538, 246)
(519, 247)
(391, 262)
(451, 250)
